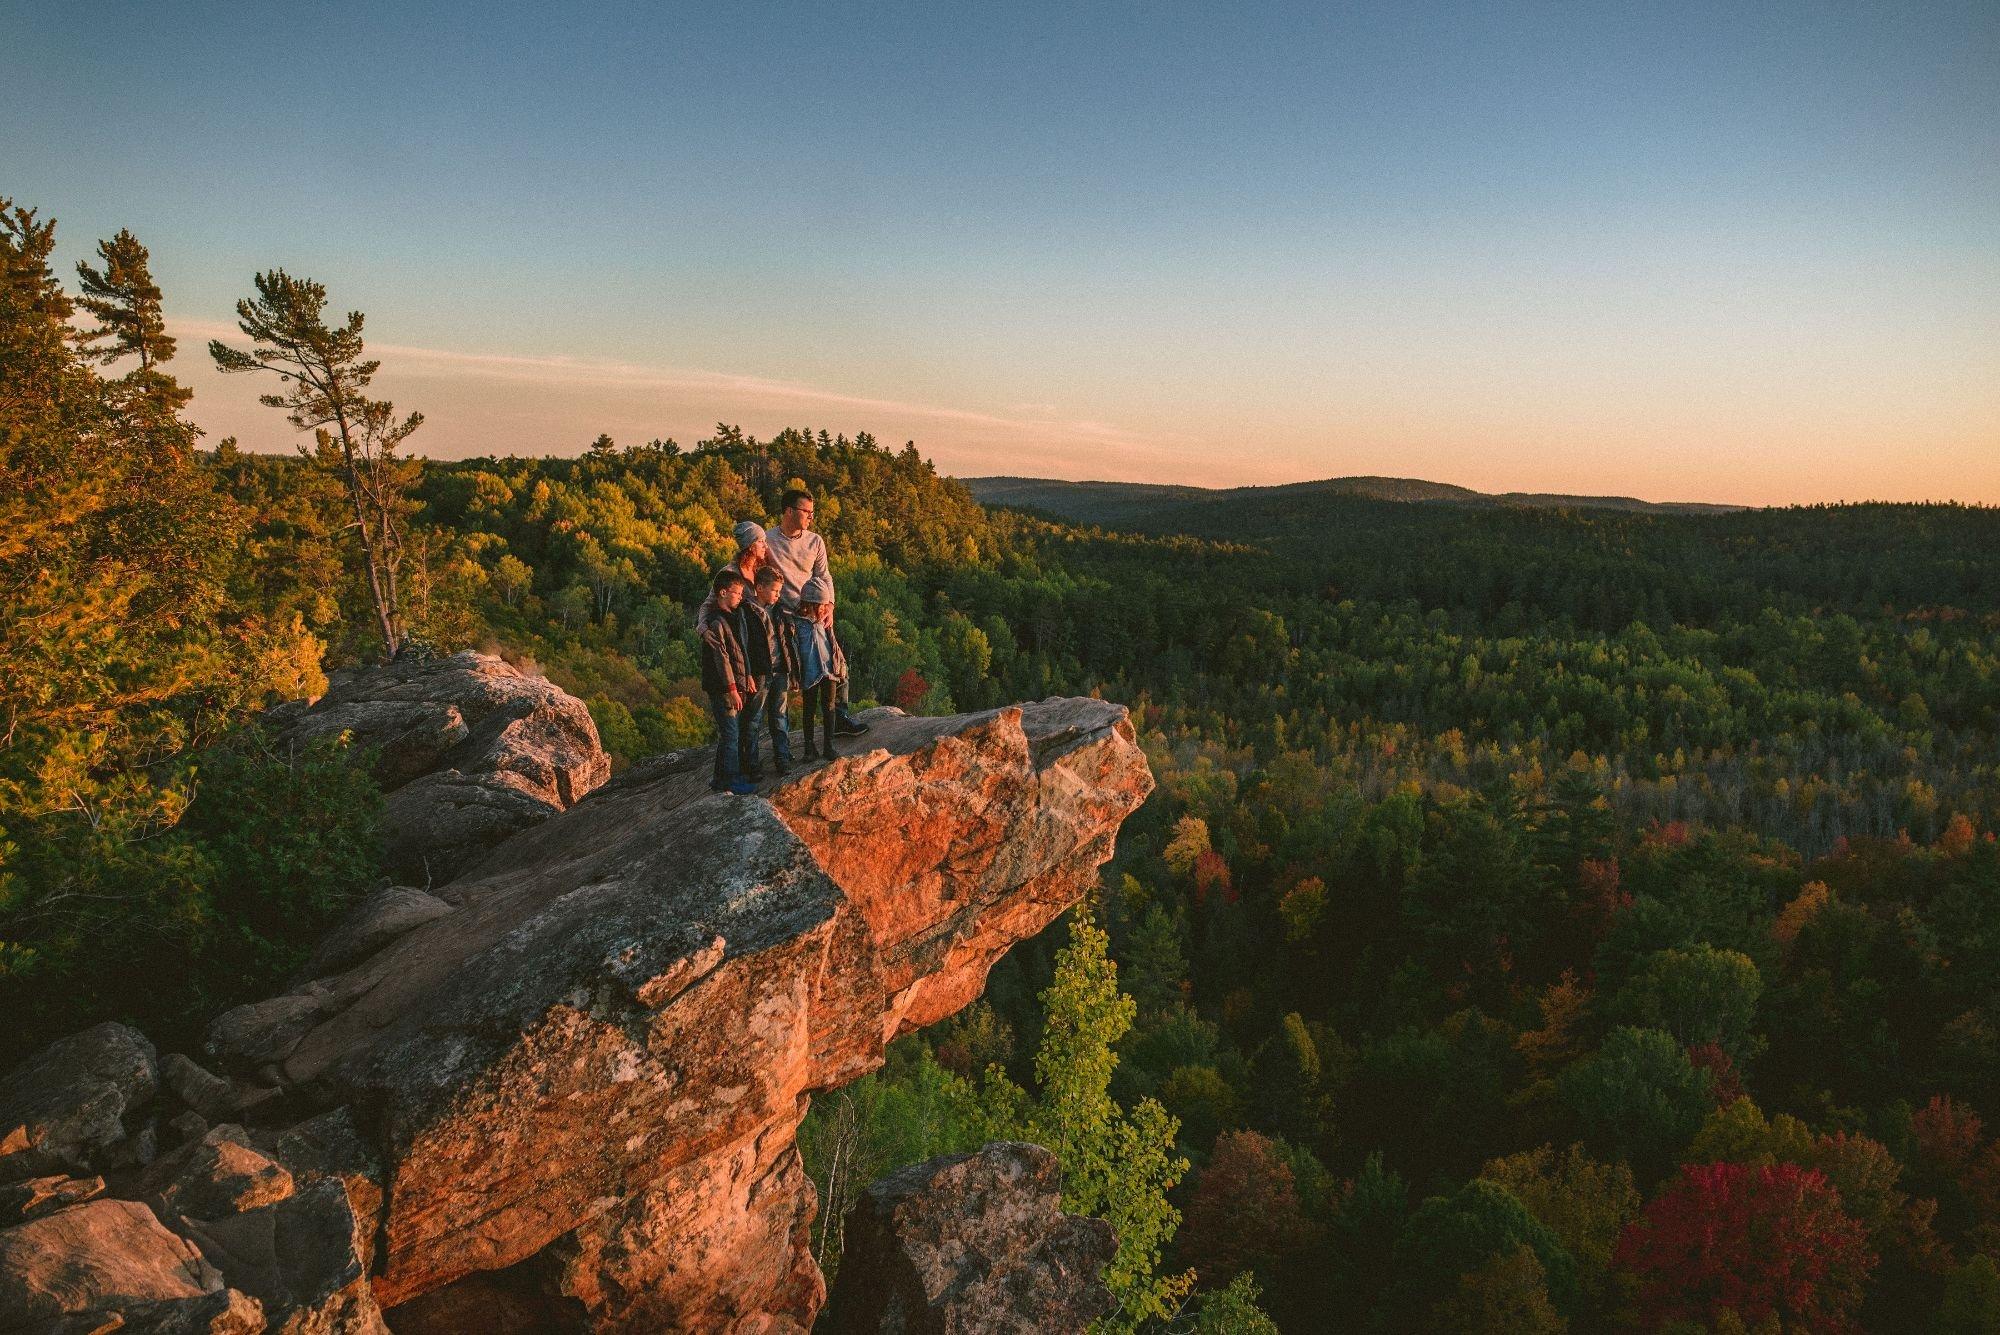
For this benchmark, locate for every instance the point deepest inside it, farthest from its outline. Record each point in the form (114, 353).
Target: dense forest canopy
(1547, 917)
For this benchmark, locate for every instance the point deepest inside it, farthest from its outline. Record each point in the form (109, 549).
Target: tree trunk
(384, 599)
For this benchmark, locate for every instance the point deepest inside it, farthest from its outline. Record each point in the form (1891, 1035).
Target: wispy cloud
(486, 398)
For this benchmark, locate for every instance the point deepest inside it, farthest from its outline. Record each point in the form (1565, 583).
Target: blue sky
(1742, 252)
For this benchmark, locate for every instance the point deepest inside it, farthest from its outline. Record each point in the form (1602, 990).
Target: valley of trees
(1547, 919)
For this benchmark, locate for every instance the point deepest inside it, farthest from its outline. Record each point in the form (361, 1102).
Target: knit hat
(748, 534)
(815, 591)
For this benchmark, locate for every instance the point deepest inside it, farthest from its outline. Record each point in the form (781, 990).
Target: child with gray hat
(822, 665)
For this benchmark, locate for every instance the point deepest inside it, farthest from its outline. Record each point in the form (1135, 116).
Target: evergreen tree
(120, 654)
(356, 437)
(126, 303)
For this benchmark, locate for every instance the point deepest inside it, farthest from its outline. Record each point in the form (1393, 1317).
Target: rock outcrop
(468, 750)
(561, 1089)
(72, 1106)
(970, 1244)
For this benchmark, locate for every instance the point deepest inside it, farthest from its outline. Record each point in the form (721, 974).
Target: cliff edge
(560, 1091)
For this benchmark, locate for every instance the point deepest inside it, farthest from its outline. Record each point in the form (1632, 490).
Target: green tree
(1699, 995)
(120, 652)
(512, 578)
(1972, 1299)
(1291, 1084)
(1371, 1216)
(1585, 1203)
(357, 438)
(1155, 962)
(1117, 1165)
(1229, 1311)
(126, 302)
(1638, 1097)
(1740, 1133)
(1453, 1236)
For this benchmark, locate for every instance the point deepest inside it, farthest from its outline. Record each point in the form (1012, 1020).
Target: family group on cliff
(767, 625)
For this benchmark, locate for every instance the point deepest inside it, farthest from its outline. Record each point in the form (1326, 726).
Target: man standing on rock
(800, 556)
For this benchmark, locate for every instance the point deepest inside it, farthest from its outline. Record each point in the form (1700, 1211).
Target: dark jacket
(723, 663)
(768, 643)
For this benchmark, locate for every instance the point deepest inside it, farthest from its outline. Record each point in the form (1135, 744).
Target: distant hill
(1159, 506)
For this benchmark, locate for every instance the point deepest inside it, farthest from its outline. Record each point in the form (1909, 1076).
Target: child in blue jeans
(726, 677)
(822, 665)
(773, 651)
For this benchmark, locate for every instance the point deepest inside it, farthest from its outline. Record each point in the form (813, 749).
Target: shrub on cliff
(164, 928)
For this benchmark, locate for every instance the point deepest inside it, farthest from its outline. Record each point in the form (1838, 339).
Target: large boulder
(96, 1257)
(217, 1175)
(71, 1105)
(594, 1064)
(971, 1244)
(297, 1257)
(468, 750)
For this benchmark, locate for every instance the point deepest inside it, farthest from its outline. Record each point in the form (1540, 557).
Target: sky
(1727, 252)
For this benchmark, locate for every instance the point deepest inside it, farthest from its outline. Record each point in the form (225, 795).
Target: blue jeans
(746, 730)
(778, 715)
(728, 731)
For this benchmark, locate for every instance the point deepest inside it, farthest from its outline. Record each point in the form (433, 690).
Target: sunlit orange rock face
(584, 1079)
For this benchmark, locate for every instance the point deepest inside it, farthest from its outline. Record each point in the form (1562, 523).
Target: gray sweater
(802, 561)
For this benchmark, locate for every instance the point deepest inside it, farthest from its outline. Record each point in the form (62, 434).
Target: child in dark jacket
(776, 654)
(726, 677)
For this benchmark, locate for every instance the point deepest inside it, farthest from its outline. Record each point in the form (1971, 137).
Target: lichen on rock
(560, 1090)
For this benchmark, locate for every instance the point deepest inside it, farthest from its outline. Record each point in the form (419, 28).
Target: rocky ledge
(560, 1091)
(468, 749)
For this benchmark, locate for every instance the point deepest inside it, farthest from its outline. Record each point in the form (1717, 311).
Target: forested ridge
(1547, 918)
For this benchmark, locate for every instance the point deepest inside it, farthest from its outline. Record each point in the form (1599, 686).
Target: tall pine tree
(131, 322)
(326, 377)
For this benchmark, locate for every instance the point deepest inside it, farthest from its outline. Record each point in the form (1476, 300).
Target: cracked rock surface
(468, 750)
(559, 1090)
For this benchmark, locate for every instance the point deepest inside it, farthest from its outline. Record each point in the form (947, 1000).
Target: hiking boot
(846, 725)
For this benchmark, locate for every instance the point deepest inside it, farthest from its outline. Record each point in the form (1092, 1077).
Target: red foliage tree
(1948, 1135)
(1755, 1240)
(1669, 834)
(1600, 896)
(911, 688)
(1244, 1211)
(1211, 872)
(1726, 1082)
